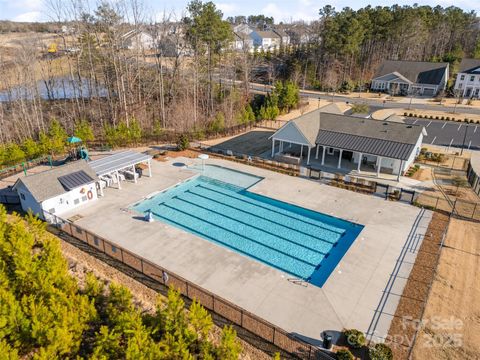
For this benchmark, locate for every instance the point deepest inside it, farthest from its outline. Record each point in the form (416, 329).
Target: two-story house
(266, 40)
(467, 83)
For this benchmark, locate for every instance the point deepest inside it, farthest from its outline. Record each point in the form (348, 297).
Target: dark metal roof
(75, 179)
(371, 146)
(419, 72)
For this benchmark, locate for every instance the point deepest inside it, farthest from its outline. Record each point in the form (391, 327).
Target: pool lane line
(228, 246)
(241, 236)
(277, 223)
(257, 228)
(275, 211)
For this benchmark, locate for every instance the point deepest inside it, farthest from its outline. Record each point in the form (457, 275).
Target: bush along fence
(459, 208)
(231, 312)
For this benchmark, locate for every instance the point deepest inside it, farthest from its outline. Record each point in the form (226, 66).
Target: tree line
(349, 45)
(45, 314)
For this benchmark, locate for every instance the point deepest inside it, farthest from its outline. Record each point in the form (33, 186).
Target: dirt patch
(415, 293)
(453, 308)
(145, 298)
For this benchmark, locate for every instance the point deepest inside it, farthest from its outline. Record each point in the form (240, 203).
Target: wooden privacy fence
(214, 303)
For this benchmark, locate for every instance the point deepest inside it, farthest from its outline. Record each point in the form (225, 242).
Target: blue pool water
(298, 241)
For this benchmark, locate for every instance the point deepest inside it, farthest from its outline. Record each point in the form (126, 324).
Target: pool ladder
(298, 281)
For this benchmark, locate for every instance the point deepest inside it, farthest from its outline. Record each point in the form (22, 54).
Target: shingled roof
(419, 72)
(389, 139)
(46, 185)
(468, 65)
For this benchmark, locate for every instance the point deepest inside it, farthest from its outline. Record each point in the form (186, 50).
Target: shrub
(355, 338)
(447, 118)
(344, 354)
(420, 116)
(405, 114)
(471, 121)
(410, 114)
(442, 118)
(380, 352)
(437, 117)
(183, 143)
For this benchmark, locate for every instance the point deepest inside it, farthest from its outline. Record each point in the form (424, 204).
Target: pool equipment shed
(57, 190)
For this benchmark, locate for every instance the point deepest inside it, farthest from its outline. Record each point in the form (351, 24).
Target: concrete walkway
(348, 299)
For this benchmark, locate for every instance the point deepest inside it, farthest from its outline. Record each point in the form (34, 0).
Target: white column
(340, 159)
(134, 176)
(400, 170)
(323, 155)
(308, 156)
(273, 147)
(301, 151)
(118, 181)
(281, 146)
(379, 165)
(316, 155)
(360, 156)
(149, 169)
(100, 188)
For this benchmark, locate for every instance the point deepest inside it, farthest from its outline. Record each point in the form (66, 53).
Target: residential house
(137, 40)
(348, 143)
(242, 42)
(266, 40)
(467, 83)
(399, 77)
(284, 37)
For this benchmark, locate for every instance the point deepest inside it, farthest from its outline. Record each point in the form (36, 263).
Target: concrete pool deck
(348, 299)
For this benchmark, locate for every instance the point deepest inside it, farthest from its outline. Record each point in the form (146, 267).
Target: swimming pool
(304, 243)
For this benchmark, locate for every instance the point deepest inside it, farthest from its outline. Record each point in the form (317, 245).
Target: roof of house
(267, 34)
(468, 65)
(419, 72)
(383, 138)
(48, 184)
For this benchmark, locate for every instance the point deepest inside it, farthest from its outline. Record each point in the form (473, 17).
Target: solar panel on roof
(74, 180)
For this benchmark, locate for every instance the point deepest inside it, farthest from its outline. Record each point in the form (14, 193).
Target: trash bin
(327, 341)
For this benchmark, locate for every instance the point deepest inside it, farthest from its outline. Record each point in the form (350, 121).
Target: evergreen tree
(84, 131)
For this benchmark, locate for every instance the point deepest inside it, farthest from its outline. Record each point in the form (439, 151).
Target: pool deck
(348, 299)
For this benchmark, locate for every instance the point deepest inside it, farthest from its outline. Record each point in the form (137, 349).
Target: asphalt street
(377, 103)
(449, 133)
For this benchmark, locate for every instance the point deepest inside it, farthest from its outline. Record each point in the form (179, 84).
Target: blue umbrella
(74, 140)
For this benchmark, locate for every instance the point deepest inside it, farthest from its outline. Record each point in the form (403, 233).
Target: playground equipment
(79, 152)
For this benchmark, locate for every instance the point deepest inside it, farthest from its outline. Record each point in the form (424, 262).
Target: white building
(467, 83)
(411, 77)
(58, 190)
(266, 40)
(348, 143)
(137, 40)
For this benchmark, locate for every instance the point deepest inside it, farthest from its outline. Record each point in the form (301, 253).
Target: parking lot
(449, 133)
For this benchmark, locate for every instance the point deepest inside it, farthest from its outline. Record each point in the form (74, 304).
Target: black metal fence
(212, 302)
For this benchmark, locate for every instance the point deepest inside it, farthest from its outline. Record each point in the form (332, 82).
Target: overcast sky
(281, 10)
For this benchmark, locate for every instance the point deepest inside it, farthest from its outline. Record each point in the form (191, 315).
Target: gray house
(349, 143)
(411, 77)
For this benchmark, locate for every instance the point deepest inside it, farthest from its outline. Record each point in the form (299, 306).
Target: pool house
(347, 143)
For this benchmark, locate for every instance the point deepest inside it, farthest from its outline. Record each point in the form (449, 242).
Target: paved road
(377, 103)
(449, 133)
